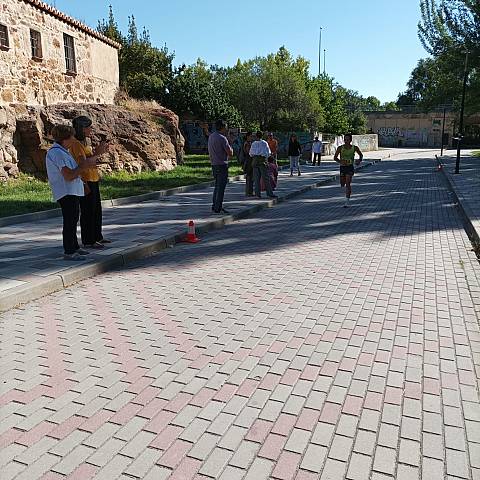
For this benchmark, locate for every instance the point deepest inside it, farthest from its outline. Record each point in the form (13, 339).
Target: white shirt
(57, 158)
(260, 148)
(317, 146)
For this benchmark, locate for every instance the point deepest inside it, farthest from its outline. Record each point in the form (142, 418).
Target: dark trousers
(248, 177)
(260, 172)
(70, 205)
(220, 174)
(317, 156)
(91, 215)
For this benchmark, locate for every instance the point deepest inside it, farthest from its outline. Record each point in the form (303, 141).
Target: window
(69, 47)
(4, 37)
(36, 44)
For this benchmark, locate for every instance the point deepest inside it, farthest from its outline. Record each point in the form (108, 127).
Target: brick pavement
(31, 256)
(307, 342)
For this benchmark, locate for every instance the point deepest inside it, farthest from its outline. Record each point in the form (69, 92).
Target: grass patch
(27, 195)
(476, 154)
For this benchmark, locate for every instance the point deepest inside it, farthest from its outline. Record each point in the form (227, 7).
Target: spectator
(273, 144)
(247, 164)
(67, 187)
(91, 203)
(294, 152)
(260, 151)
(317, 151)
(272, 169)
(219, 151)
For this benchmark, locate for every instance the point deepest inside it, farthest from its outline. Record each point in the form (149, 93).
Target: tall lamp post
(320, 53)
(324, 61)
(462, 111)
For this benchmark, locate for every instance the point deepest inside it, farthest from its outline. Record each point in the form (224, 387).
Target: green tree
(145, 71)
(198, 91)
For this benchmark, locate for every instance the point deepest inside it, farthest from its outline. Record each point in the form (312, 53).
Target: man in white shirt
(317, 151)
(260, 151)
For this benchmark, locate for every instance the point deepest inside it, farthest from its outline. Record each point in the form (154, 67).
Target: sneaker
(74, 257)
(105, 240)
(82, 252)
(291, 174)
(347, 203)
(299, 173)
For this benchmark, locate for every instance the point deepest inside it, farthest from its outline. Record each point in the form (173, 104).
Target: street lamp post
(320, 53)
(324, 62)
(443, 128)
(462, 111)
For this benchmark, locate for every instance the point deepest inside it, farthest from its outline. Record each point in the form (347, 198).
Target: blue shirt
(57, 158)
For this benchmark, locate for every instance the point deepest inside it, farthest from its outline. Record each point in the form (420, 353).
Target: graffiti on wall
(406, 137)
(196, 138)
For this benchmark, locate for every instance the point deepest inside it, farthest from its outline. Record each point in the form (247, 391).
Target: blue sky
(371, 45)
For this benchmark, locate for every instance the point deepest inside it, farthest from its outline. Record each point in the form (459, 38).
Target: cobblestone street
(307, 342)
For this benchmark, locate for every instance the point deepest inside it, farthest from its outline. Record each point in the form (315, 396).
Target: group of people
(258, 158)
(74, 176)
(74, 179)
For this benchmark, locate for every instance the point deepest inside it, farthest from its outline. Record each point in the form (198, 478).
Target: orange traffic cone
(191, 237)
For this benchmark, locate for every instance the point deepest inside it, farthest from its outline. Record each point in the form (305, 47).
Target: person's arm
(337, 153)
(360, 154)
(228, 148)
(71, 174)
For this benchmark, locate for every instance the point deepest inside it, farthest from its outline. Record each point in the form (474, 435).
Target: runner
(347, 160)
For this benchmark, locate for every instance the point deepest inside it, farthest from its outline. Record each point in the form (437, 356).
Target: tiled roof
(72, 21)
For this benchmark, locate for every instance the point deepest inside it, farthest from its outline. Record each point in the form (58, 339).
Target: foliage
(198, 91)
(448, 29)
(273, 92)
(145, 70)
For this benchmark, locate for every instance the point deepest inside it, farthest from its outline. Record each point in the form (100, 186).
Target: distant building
(404, 129)
(47, 57)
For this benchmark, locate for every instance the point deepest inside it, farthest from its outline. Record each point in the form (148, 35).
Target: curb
(462, 206)
(54, 283)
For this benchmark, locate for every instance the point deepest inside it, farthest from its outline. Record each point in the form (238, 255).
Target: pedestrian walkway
(307, 342)
(466, 184)
(31, 255)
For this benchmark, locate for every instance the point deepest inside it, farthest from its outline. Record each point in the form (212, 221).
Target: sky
(371, 45)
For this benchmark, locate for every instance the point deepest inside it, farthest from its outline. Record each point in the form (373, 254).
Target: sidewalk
(466, 186)
(31, 257)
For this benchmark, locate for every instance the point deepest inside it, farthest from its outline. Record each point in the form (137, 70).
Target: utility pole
(324, 62)
(320, 53)
(462, 112)
(443, 128)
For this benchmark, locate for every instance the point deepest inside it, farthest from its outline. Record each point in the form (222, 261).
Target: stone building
(47, 57)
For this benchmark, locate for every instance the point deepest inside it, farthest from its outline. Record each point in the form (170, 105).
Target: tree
(198, 91)
(273, 92)
(145, 71)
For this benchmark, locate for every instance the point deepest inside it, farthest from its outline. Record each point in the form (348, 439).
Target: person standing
(260, 151)
(219, 151)
(294, 152)
(317, 151)
(91, 204)
(346, 152)
(247, 164)
(67, 187)
(273, 145)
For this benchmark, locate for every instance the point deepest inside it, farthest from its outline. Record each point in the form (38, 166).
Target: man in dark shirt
(219, 151)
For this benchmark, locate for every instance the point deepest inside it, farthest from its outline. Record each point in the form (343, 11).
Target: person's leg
(342, 180)
(256, 178)
(298, 165)
(348, 185)
(223, 180)
(70, 213)
(87, 217)
(292, 164)
(266, 178)
(215, 173)
(96, 211)
(314, 161)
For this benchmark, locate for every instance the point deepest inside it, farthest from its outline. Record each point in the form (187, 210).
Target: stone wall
(399, 129)
(30, 81)
(8, 153)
